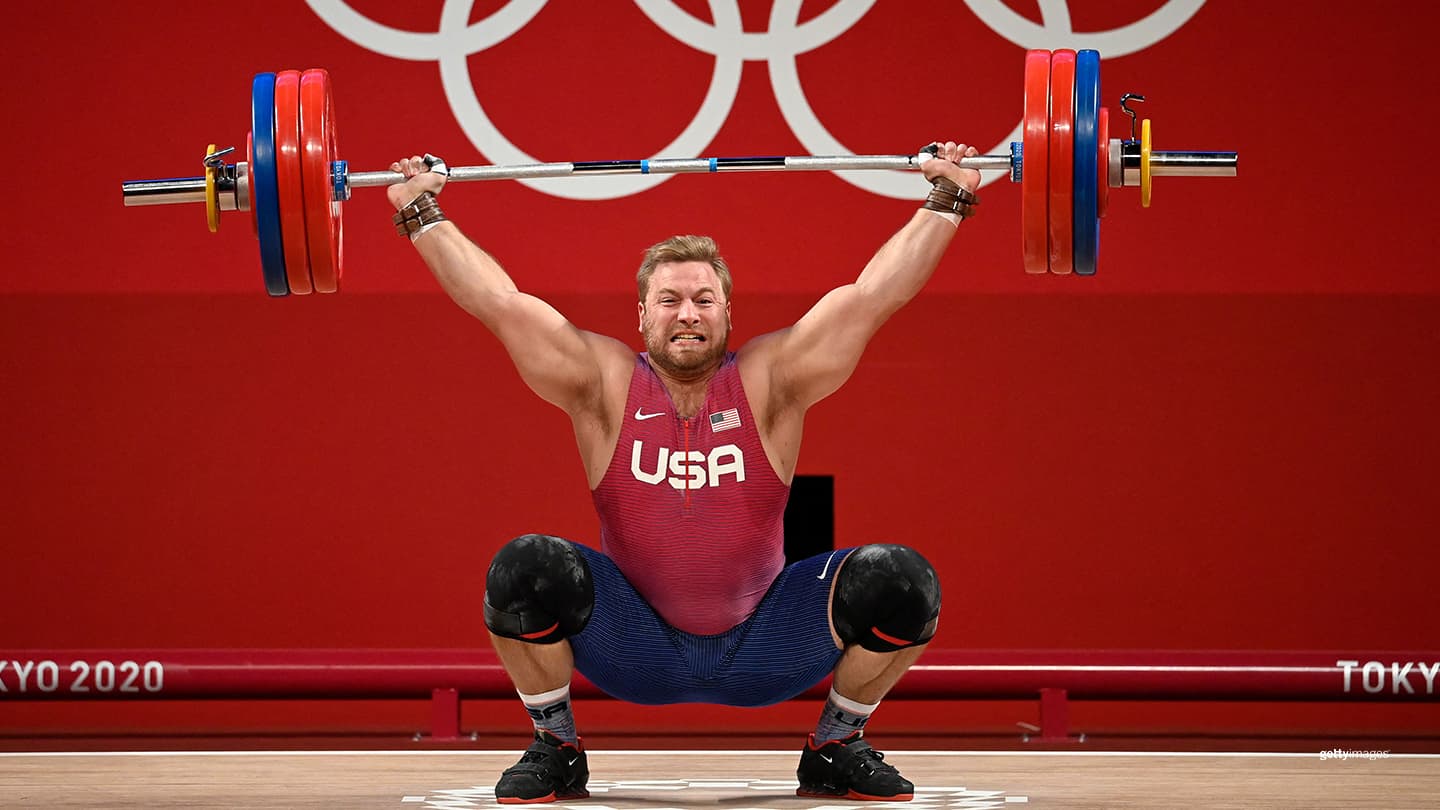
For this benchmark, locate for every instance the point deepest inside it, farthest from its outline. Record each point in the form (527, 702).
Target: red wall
(1158, 471)
(1226, 439)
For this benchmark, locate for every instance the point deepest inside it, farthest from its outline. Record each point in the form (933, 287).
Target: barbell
(293, 183)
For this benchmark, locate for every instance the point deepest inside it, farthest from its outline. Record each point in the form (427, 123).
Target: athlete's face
(685, 318)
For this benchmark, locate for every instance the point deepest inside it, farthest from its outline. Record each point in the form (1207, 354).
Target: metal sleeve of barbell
(803, 163)
(164, 191)
(1194, 164)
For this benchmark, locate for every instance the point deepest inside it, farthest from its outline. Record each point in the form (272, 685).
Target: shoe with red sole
(550, 770)
(849, 768)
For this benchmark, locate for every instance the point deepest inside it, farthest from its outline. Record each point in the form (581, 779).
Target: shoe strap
(540, 758)
(859, 755)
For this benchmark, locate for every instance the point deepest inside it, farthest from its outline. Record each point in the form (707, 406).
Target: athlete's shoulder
(760, 350)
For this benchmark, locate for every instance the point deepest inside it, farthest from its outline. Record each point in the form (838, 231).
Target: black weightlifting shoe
(850, 769)
(550, 770)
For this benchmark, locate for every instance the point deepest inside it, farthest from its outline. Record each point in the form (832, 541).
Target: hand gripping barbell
(293, 183)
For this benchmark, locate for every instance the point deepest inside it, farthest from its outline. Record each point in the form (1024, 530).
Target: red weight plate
(322, 211)
(1104, 159)
(1062, 162)
(337, 230)
(287, 175)
(1035, 172)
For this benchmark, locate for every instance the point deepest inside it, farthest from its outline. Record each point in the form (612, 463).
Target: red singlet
(690, 509)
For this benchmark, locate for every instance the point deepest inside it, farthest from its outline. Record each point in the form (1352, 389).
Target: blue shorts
(784, 648)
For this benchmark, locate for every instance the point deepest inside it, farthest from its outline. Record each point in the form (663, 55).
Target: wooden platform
(651, 780)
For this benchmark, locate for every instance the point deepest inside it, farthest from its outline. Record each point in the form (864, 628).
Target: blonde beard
(658, 347)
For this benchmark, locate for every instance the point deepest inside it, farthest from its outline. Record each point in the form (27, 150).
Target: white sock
(552, 712)
(842, 717)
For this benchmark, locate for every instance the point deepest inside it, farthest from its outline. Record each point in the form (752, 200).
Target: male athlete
(689, 449)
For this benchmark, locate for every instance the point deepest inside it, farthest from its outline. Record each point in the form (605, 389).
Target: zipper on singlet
(688, 476)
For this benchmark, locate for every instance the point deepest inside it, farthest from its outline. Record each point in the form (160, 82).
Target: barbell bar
(294, 183)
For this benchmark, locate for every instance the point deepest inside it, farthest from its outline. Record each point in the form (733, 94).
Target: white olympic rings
(457, 39)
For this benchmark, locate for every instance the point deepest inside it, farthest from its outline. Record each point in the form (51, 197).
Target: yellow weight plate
(1145, 163)
(212, 199)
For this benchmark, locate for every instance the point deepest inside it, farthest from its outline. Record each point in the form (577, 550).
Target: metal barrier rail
(445, 676)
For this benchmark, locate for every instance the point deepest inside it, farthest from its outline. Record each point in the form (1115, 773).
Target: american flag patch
(724, 420)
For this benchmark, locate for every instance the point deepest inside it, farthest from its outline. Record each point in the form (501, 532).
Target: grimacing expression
(685, 318)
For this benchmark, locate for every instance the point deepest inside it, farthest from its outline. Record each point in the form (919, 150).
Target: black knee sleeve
(887, 598)
(538, 590)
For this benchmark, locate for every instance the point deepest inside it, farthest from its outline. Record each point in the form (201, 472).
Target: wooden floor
(732, 780)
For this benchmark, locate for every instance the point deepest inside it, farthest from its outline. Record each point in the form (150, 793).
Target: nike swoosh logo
(827, 565)
(827, 759)
(573, 761)
(641, 417)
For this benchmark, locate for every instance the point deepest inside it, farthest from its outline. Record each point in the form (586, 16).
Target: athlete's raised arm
(564, 365)
(804, 363)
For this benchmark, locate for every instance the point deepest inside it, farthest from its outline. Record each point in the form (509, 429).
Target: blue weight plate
(265, 185)
(1087, 162)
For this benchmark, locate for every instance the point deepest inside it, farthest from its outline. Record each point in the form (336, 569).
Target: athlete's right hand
(418, 180)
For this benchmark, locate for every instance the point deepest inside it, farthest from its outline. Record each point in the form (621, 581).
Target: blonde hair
(682, 249)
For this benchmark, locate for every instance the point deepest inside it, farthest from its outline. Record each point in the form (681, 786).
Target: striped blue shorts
(784, 648)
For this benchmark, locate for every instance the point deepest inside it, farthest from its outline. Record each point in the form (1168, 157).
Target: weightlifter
(689, 448)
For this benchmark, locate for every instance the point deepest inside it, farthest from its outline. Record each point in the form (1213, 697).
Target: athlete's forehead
(685, 278)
